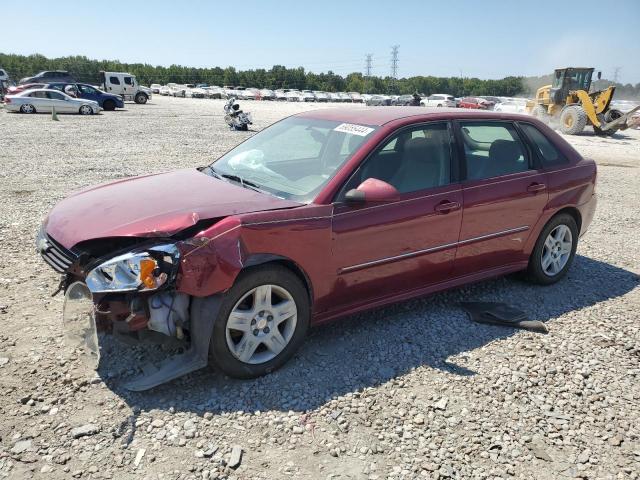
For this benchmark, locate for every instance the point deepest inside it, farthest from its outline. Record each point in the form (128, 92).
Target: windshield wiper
(238, 179)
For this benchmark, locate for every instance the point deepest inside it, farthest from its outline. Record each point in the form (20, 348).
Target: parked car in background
(438, 100)
(294, 95)
(267, 94)
(493, 100)
(307, 96)
(334, 97)
(15, 89)
(355, 97)
(49, 76)
(44, 100)
(415, 202)
(155, 88)
(345, 97)
(476, 103)
(107, 101)
(165, 91)
(125, 85)
(198, 93)
(178, 90)
(403, 101)
(281, 94)
(512, 105)
(378, 100)
(321, 96)
(215, 92)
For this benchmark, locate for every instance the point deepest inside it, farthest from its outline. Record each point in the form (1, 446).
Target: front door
(504, 196)
(383, 249)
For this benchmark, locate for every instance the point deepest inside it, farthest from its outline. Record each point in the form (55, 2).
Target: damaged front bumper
(131, 295)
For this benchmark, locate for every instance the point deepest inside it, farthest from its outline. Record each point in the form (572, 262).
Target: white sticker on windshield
(353, 129)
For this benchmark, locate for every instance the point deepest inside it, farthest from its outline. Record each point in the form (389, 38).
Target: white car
(512, 105)
(308, 96)
(45, 100)
(165, 91)
(438, 100)
(321, 96)
(155, 87)
(294, 96)
(356, 97)
(281, 95)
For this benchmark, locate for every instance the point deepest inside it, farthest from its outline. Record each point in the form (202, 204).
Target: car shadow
(422, 333)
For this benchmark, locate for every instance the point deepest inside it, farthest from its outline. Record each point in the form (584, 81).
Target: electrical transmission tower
(616, 74)
(394, 61)
(367, 69)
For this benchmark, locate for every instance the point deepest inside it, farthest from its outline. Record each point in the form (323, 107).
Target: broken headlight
(144, 270)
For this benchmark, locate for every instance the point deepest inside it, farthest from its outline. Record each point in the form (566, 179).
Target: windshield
(292, 159)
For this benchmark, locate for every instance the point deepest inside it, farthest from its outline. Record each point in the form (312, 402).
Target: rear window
(547, 152)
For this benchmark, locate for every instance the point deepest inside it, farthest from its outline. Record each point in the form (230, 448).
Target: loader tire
(573, 119)
(541, 114)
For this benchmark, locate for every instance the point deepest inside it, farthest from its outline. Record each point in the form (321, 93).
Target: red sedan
(323, 214)
(476, 103)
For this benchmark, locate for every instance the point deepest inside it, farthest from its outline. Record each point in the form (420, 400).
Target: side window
(128, 81)
(38, 95)
(419, 159)
(492, 149)
(55, 96)
(548, 153)
(114, 80)
(86, 89)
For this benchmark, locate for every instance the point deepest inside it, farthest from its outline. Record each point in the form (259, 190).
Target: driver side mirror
(372, 190)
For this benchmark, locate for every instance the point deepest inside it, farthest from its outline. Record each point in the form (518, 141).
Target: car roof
(379, 116)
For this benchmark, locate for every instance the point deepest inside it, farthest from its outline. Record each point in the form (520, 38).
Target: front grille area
(55, 254)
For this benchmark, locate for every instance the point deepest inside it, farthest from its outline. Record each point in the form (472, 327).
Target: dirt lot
(411, 391)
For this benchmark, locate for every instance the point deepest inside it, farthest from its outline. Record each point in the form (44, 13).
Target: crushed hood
(153, 205)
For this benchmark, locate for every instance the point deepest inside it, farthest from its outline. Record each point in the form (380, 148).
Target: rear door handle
(446, 206)
(536, 187)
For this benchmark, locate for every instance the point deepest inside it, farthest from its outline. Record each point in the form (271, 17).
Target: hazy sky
(486, 39)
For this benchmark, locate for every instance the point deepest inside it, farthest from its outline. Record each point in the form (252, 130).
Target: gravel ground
(410, 391)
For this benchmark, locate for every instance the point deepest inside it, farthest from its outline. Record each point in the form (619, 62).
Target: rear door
(504, 194)
(40, 101)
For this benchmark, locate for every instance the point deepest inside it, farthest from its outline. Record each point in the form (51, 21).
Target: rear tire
(541, 114)
(27, 108)
(573, 119)
(228, 344)
(141, 98)
(109, 105)
(553, 255)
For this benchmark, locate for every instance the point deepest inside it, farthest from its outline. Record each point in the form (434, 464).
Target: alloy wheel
(557, 250)
(261, 324)
(86, 110)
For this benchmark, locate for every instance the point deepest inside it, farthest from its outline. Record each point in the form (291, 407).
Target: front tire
(573, 119)
(262, 321)
(109, 105)
(554, 251)
(86, 110)
(141, 98)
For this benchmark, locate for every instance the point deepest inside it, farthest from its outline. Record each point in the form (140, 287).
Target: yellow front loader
(568, 103)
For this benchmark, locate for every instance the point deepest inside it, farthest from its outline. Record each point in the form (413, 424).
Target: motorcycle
(236, 118)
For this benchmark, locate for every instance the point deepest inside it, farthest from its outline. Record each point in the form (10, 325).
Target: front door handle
(446, 206)
(536, 187)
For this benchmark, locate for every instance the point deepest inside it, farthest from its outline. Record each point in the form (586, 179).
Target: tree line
(86, 70)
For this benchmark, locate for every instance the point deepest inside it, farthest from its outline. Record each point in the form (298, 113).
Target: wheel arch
(264, 259)
(543, 222)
